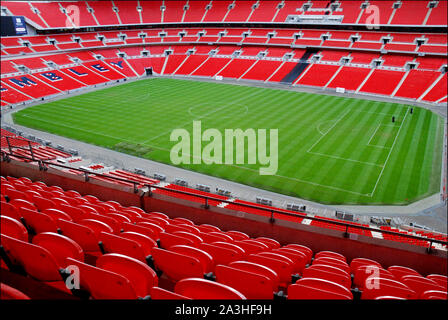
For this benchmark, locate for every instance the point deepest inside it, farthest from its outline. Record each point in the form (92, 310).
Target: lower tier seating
(122, 252)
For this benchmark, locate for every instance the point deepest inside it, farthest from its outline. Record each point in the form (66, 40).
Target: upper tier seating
(105, 13)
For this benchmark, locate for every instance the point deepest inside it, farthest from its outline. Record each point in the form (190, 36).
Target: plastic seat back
(365, 273)
(82, 235)
(145, 242)
(43, 203)
(214, 236)
(182, 221)
(400, 271)
(283, 269)
(251, 285)
(177, 266)
(249, 247)
(440, 279)
(168, 240)
(328, 273)
(330, 254)
(9, 210)
(230, 246)
(9, 293)
(434, 295)
(308, 252)
(141, 276)
(38, 221)
(271, 243)
(13, 228)
(237, 235)
(109, 222)
(112, 243)
(20, 203)
(96, 226)
(159, 215)
(103, 284)
(60, 246)
(129, 227)
(75, 213)
(358, 262)
(386, 287)
(56, 214)
(207, 228)
(420, 284)
(197, 288)
(38, 262)
(258, 269)
(313, 288)
(332, 262)
(155, 228)
(299, 259)
(205, 258)
(220, 254)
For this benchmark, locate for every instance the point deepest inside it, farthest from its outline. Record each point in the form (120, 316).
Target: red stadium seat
(386, 287)
(299, 259)
(330, 254)
(103, 284)
(56, 214)
(328, 273)
(214, 236)
(271, 243)
(197, 288)
(304, 249)
(221, 254)
(20, 203)
(82, 235)
(358, 262)
(237, 235)
(194, 238)
(13, 228)
(177, 266)
(9, 293)
(38, 221)
(400, 271)
(313, 288)
(168, 240)
(205, 258)
(283, 269)
(59, 246)
(129, 227)
(439, 279)
(38, 262)
(252, 285)
(434, 295)
(96, 226)
(111, 243)
(182, 221)
(9, 210)
(141, 276)
(325, 260)
(420, 284)
(364, 274)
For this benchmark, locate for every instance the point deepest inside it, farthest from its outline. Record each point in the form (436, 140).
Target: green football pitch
(333, 150)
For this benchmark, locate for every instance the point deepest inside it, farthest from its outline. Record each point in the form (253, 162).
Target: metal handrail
(207, 198)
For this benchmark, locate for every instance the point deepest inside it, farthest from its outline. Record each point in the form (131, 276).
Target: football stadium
(224, 150)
